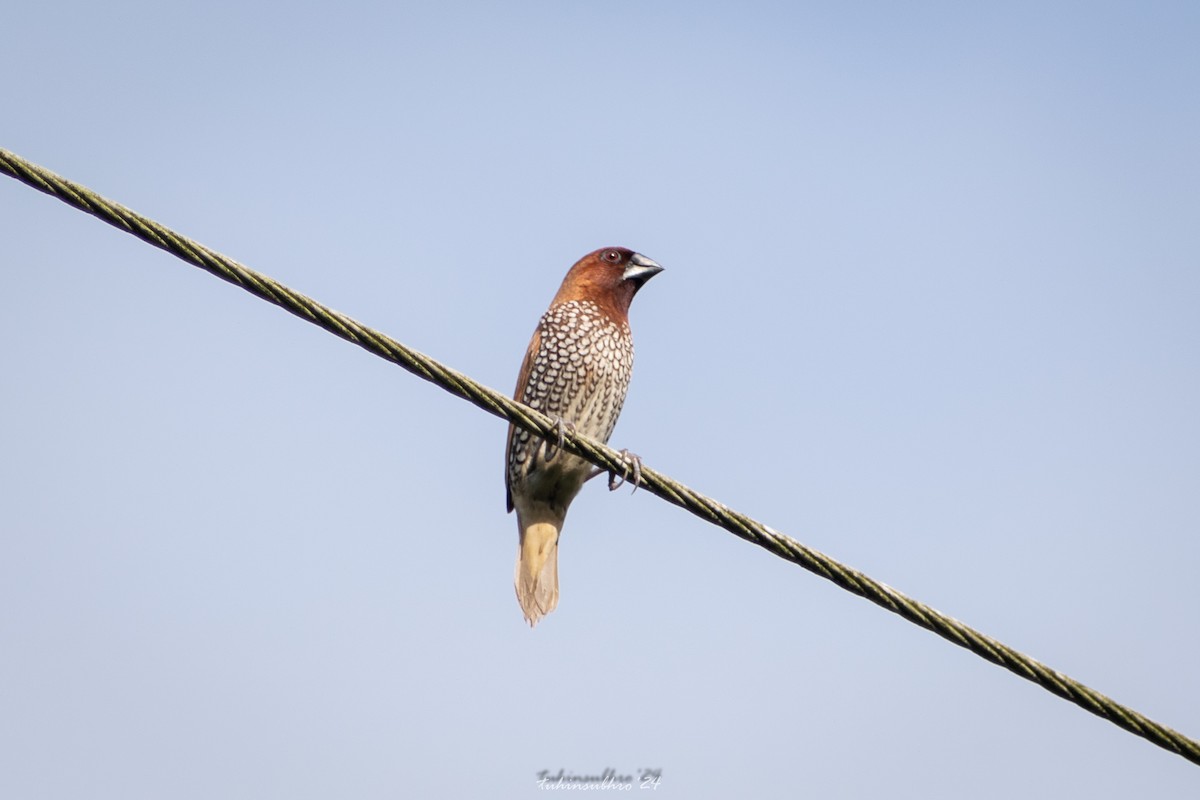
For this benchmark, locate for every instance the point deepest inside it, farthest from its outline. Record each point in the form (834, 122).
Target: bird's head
(608, 277)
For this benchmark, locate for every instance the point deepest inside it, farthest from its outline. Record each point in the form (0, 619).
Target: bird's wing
(535, 344)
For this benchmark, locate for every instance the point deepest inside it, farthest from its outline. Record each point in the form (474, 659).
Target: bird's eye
(612, 256)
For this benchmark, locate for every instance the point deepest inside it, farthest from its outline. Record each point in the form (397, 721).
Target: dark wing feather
(535, 344)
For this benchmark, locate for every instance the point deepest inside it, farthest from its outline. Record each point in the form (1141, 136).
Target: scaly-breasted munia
(577, 369)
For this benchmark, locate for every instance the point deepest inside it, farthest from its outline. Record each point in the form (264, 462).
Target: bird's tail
(537, 570)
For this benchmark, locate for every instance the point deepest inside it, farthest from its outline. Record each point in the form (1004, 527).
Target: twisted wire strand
(599, 454)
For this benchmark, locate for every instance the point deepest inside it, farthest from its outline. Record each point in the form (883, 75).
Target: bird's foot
(633, 471)
(553, 450)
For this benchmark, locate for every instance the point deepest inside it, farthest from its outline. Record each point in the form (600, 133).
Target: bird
(577, 369)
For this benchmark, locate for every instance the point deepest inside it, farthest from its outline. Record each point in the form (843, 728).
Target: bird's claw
(634, 461)
(562, 427)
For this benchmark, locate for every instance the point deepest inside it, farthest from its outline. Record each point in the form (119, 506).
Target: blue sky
(930, 307)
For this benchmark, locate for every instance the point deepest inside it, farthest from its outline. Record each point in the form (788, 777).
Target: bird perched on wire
(577, 369)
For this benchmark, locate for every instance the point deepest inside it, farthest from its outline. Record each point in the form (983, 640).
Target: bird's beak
(641, 269)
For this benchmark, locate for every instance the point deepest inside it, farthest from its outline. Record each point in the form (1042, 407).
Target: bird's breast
(579, 373)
